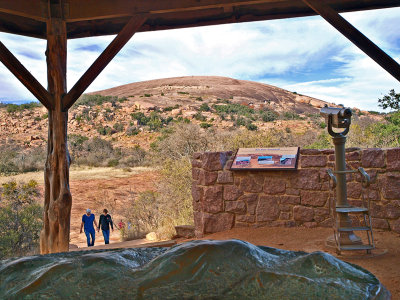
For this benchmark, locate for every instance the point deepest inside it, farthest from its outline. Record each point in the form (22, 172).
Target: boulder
(184, 231)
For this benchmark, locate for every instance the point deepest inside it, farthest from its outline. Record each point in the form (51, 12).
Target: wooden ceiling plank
(29, 9)
(356, 37)
(102, 9)
(104, 59)
(24, 76)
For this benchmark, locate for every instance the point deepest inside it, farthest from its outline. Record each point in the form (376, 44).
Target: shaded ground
(386, 267)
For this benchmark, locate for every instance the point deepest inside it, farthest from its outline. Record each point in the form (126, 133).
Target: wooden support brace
(355, 36)
(25, 77)
(103, 60)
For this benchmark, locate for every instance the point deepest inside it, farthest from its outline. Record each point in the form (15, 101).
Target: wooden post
(57, 205)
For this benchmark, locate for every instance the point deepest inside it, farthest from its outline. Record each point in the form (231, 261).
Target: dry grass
(80, 173)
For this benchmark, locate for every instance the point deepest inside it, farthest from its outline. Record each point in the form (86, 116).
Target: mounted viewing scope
(337, 117)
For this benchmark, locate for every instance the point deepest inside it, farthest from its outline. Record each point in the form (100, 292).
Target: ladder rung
(351, 209)
(353, 228)
(356, 247)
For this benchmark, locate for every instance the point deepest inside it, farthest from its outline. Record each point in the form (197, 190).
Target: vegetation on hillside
(178, 138)
(11, 108)
(93, 100)
(20, 219)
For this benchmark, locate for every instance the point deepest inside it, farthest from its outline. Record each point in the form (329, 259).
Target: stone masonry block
(354, 190)
(291, 191)
(251, 201)
(289, 199)
(395, 225)
(313, 198)
(252, 184)
(246, 218)
(235, 207)
(268, 208)
(225, 177)
(310, 151)
(380, 223)
(313, 161)
(212, 200)
(393, 159)
(274, 185)
(303, 214)
(214, 161)
(392, 211)
(306, 179)
(391, 186)
(373, 158)
(218, 222)
(197, 192)
(207, 178)
(232, 192)
(352, 156)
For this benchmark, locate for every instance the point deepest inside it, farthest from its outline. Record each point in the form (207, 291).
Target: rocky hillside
(137, 111)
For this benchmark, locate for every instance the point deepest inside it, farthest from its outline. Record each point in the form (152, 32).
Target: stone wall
(223, 199)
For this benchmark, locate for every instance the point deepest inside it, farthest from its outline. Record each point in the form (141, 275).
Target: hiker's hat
(88, 211)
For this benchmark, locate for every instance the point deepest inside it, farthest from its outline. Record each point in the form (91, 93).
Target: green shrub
(170, 108)
(183, 93)
(140, 117)
(11, 108)
(240, 122)
(269, 116)
(133, 157)
(20, 219)
(251, 126)
(118, 127)
(234, 108)
(205, 125)
(204, 107)
(93, 100)
(105, 130)
(198, 116)
(148, 95)
(199, 99)
(113, 162)
(16, 159)
(130, 131)
(323, 141)
(288, 115)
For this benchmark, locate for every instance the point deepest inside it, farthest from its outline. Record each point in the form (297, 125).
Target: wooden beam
(105, 9)
(103, 60)
(24, 76)
(356, 37)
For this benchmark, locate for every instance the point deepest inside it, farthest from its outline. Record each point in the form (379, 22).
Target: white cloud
(306, 54)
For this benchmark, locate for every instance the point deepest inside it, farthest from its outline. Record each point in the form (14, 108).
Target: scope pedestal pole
(348, 237)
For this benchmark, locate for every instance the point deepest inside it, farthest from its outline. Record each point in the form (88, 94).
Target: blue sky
(305, 55)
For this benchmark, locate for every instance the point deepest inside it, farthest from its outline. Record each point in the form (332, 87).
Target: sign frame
(263, 154)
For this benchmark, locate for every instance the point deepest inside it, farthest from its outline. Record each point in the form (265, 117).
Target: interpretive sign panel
(266, 159)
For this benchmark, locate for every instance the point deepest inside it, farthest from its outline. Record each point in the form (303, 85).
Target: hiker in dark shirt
(104, 222)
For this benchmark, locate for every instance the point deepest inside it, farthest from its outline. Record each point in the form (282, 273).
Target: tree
(391, 101)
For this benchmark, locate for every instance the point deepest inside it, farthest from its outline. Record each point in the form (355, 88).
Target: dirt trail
(91, 194)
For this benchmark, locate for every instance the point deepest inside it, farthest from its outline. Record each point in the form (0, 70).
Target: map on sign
(266, 159)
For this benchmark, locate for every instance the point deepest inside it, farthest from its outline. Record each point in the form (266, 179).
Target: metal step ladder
(364, 210)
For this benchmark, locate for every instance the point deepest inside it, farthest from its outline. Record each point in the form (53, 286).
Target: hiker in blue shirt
(87, 223)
